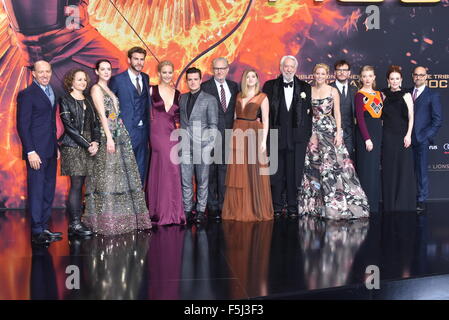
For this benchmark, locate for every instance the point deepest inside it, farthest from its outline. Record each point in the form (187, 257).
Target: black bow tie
(288, 84)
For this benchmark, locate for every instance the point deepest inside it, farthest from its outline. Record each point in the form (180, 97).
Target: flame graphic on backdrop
(177, 30)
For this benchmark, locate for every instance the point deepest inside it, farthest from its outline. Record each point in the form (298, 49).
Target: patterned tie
(139, 89)
(415, 93)
(222, 98)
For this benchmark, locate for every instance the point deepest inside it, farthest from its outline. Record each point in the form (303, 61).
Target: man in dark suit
(132, 89)
(428, 119)
(225, 92)
(291, 115)
(36, 125)
(347, 92)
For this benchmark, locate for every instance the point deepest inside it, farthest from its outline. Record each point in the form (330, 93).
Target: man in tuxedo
(291, 115)
(132, 89)
(225, 92)
(347, 92)
(199, 119)
(36, 125)
(428, 119)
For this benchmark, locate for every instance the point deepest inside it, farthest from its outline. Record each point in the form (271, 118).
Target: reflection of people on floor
(114, 266)
(248, 251)
(329, 248)
(43, 277)
(164, 262)
(195, 269)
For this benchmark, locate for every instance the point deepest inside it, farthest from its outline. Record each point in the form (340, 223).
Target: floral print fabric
(330, 187)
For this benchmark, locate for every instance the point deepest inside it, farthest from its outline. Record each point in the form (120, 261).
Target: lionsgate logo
(199, 145)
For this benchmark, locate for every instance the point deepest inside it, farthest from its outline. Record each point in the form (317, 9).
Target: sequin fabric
(115, 202)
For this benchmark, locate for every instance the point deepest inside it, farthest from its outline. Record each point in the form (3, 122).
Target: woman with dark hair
(115, 202)
(398, 175)
(368, 104)
(78, 144)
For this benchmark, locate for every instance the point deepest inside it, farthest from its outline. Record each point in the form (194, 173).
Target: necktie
(343, 91)
(47, 91)
(222, 98)
(415, 93)
(288, 84)
(139, 89)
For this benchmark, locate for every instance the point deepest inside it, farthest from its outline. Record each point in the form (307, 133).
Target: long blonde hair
(245, 85)
(367, 68)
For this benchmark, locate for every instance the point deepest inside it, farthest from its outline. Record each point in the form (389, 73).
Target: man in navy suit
(132, 89)
(36, 125)
(428, 119)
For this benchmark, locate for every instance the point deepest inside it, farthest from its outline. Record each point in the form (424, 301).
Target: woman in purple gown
(163, 189)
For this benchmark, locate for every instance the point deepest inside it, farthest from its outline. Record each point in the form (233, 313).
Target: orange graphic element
(177, 30)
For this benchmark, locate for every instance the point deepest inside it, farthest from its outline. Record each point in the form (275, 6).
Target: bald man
(36, 126)
(428, 119)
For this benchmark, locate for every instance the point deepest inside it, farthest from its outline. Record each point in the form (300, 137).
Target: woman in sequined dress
(115, 202)
(330, 187)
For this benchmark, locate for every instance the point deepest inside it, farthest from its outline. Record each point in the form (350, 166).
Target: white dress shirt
(288, 94)
(133, 77)
(420, 90)
(340, 86)
(226, 90)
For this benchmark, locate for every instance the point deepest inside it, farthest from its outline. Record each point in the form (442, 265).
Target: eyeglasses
(419, 75)
(342, 70)
(220, 69)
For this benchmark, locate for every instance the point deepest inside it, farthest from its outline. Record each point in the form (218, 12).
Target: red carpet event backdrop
(251, 34)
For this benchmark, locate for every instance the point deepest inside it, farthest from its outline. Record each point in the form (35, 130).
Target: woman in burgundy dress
(163, 189)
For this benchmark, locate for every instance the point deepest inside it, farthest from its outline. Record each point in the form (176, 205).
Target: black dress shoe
(53, 234)
(278, 214)
(292, 214)
(214, 214)
(200, 217)
(40, 239)
(421, 206)
(189, 216)
(79, 230)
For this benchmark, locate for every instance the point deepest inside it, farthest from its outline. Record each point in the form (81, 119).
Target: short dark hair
(193, 70)
(70, 77)
(97, 64)
(136, 50)
(341, 63)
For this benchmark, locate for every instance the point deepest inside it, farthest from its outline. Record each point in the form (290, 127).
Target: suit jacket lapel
(421, 96)
(42, 94)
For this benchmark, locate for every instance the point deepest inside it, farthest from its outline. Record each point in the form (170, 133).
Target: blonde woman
(330, 187)
(248, 192)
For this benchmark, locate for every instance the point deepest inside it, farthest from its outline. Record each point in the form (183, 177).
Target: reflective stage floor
(280, 259)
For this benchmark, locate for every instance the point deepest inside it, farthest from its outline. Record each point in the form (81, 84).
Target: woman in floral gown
(330, 186)
(115, 202)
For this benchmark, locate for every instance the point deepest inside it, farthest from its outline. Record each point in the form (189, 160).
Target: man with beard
(132, 90)
(291, 115)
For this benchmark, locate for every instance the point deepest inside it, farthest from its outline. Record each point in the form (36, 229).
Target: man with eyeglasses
(428, 119)
(347, 92)
(225, 92)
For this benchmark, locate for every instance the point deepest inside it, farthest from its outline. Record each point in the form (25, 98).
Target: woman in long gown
(398, 174)
(248, 193)
(163, 190)
(368, 109)
(330, 187)
(115, 202)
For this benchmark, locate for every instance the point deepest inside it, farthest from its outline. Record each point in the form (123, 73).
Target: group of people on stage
(330, 145)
